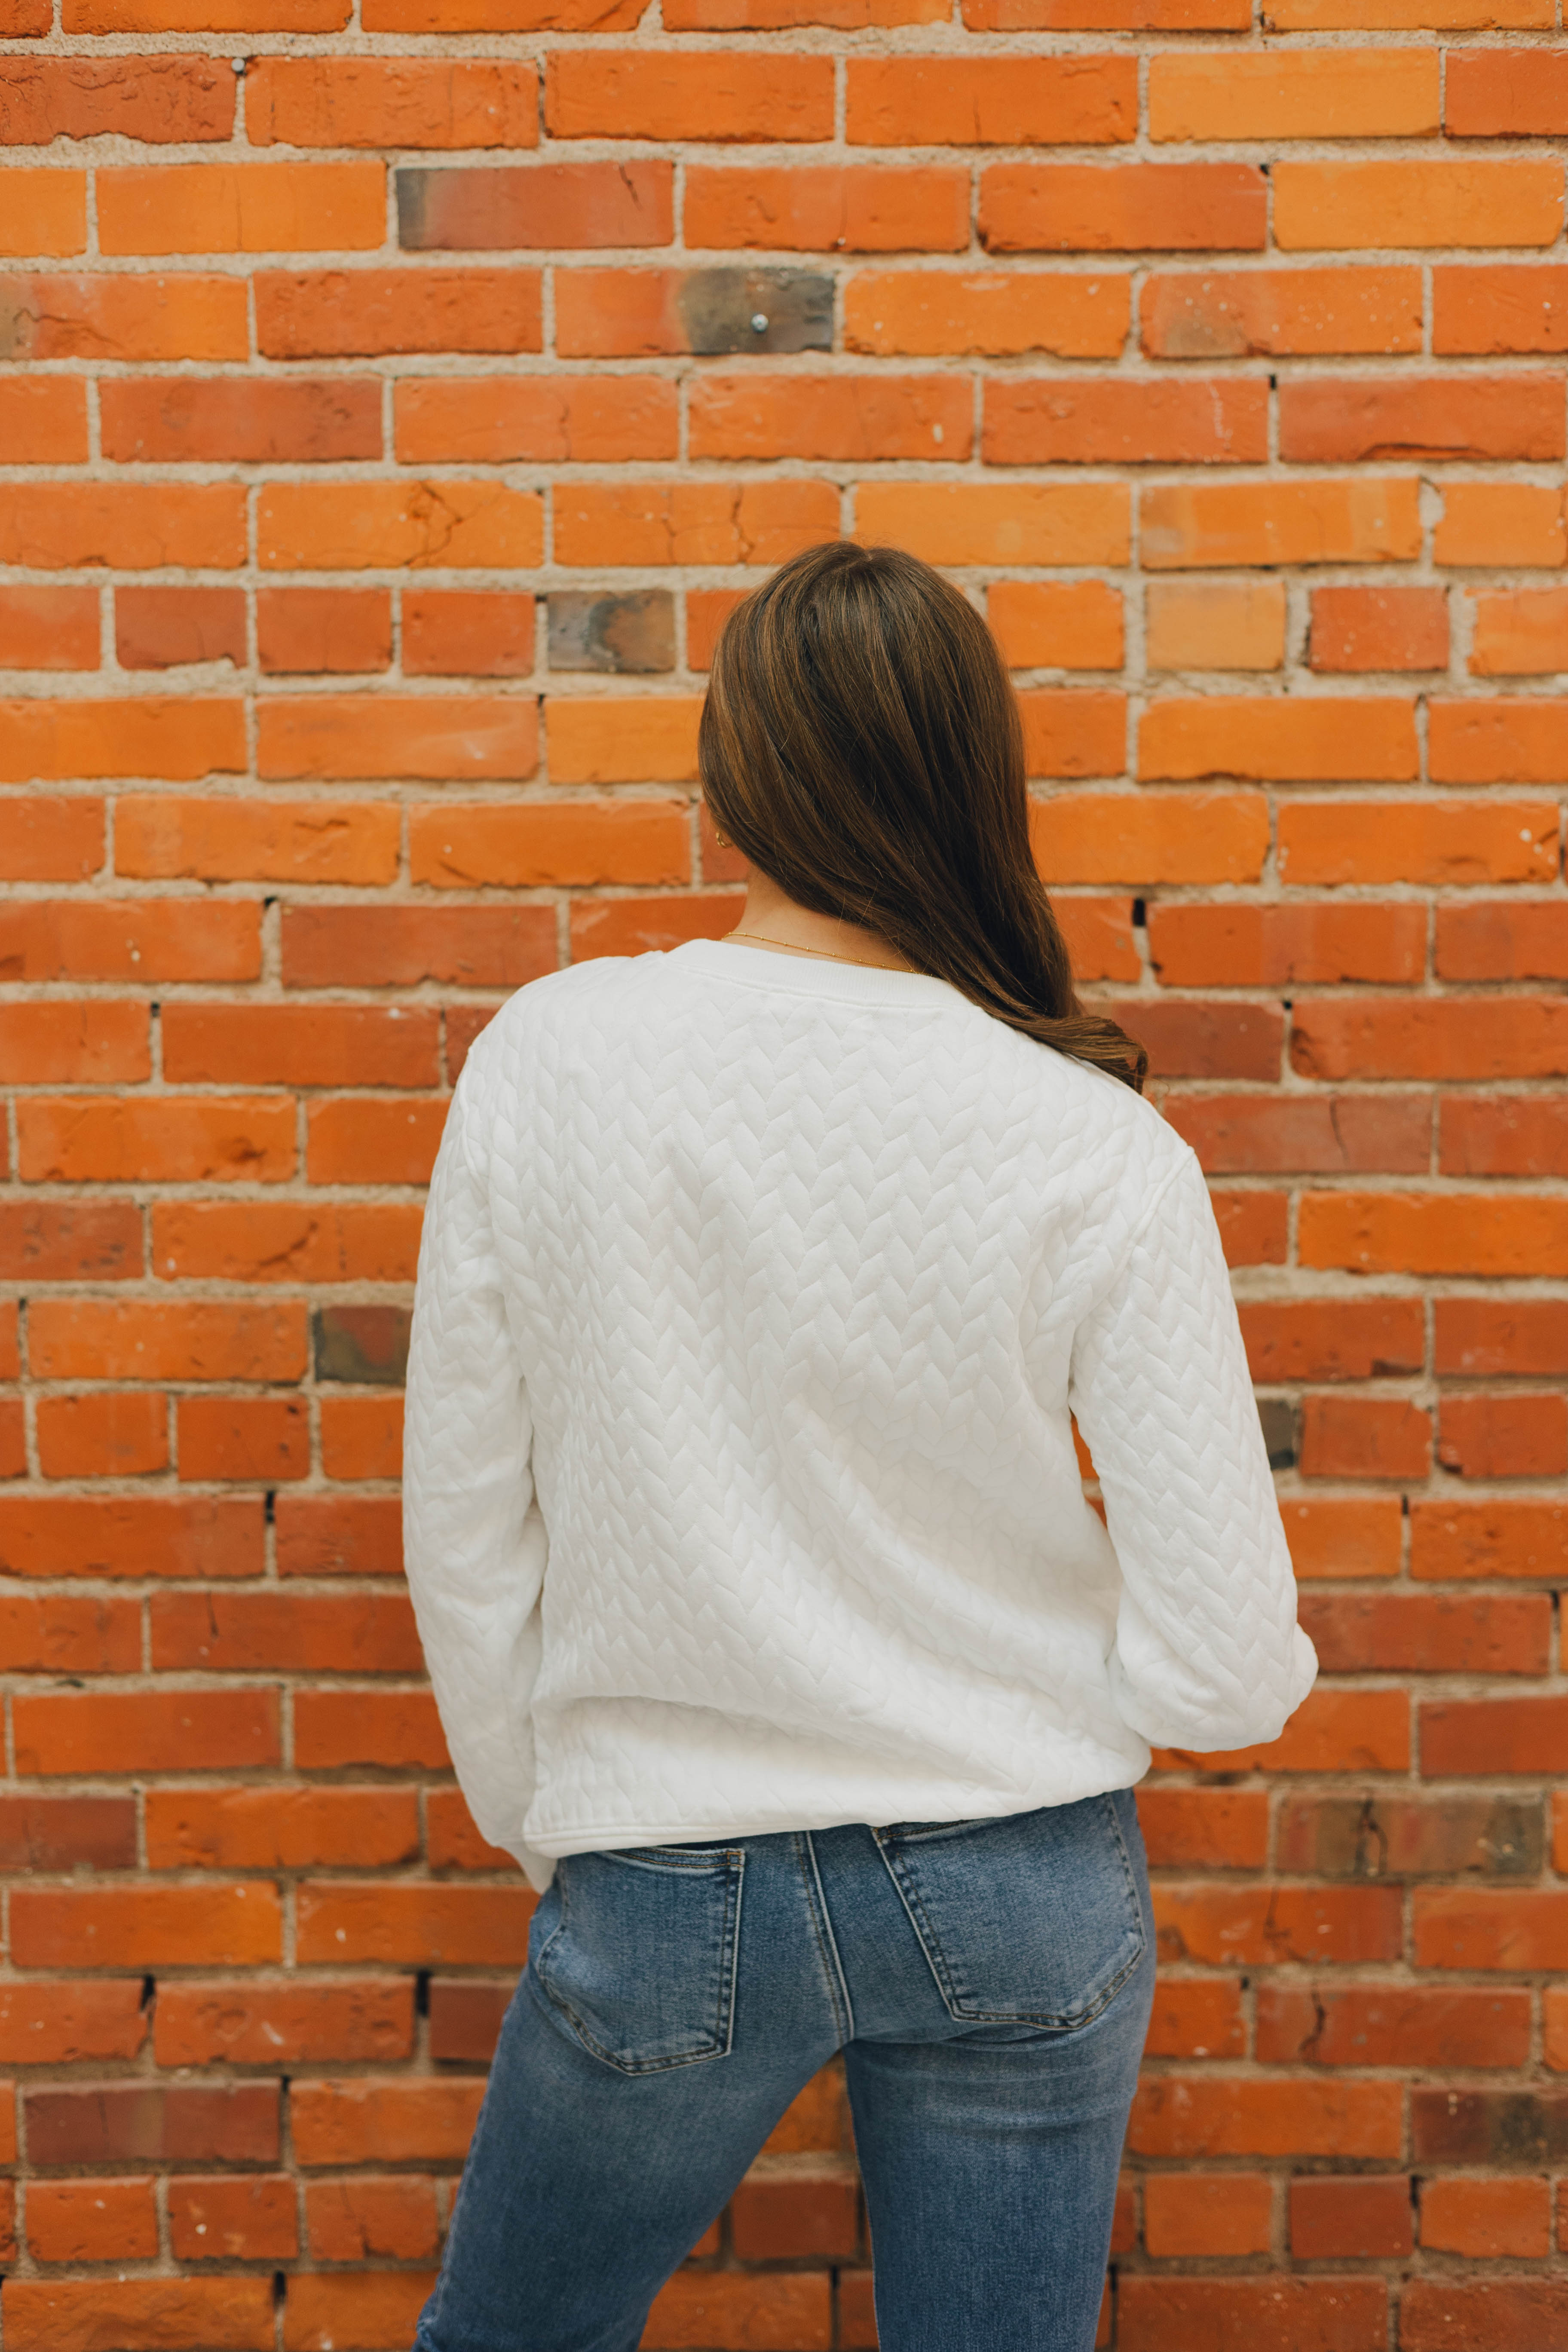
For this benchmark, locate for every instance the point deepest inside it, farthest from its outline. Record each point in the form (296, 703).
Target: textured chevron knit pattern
(756, 1302)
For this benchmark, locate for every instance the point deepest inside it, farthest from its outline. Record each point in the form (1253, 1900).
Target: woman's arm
(474, 1543)
(1208, 1653)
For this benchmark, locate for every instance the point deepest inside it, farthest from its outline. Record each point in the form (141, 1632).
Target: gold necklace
(831, 953)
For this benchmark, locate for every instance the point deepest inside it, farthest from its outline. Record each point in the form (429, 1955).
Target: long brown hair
(861, 744)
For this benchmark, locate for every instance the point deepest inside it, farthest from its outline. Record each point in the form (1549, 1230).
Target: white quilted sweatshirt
(754, 1297)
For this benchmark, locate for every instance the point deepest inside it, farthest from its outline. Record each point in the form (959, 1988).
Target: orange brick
(115, 1732)
(221, 2219)
(340, 527)
(857, 208)
(998, 523)
(180, 739)
(58, 1043)
(64, 1633)
(591, 419)
(622, 738)
(281, 1828)
(1054, 625)
(391, 2219)
(1189, 2115)
(1333, 1730)
(1500, 306)
(1503, 742)
(636, 313)
(147, 1926)
(489, 208)
(131, 1536)
(180, 419)
(1073, 734)
(261, 1439)
(134, 526)
(1509, 1436)
(328, 2309)
(205, 16)
(362, 1437)
(527, 846)
(241, 207)
(297, 1044)
(92, 2220)
(1405, 15)
(396, 1729)
(1056, 420)
(500, 16)
(468, 633)
(374, 1143)
(659, 94)
(1214, 624)
(1505, 94)
(929, 313)
(655, 523)
(465, 738)
(1194, 314)
(1106, 15)
(103, 1435)
(329, 313)
(1334, 420)
(235, 2311)
(107, 1339)
(407, 1924)
(1488, 2220)
(285, 1240)
(62, 317)
(48, 628)
(1299, 740)
(1012, 101)
(1122, 208)
(1495, 1538)
(769, 16)
(1417, 202)
(43, 423)
(1241, 946)
(46, 212)
(853, 419)
(328, 630)
(47, 838)
(1503, 1135)
(1426, 841)
(1502, 523)
(402, 102)
(1379, 629)
(221, 840)
(1519, 631)
(1137, 837)
(1349, 93)
(1419, 1233)
(1354, 2219)
(361, 2118)
(1207, 2213)
(1362, 520)
(707, 610)
(629, 927)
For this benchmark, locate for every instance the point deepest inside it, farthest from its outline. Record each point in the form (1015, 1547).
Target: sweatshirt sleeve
(1208, 1653)
(474, 1542)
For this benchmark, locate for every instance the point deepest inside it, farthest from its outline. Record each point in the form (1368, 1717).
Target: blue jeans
(989, 1983)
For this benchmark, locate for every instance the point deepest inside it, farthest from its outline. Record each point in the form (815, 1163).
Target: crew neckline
(745, 966)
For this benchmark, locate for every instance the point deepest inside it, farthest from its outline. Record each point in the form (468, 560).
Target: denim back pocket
(1031, 1919)
(638, 1952)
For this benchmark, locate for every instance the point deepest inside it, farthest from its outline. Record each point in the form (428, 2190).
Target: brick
(795, 2214)
(626, 738)
(766, 16)
(285, 1240)
(46, 213)
(44, 1831)
(285, 1045)
(362, 2120)
(500, 16)
(147, 1927)
(1333, 1730)
(64, 2021)
(1449, 2315)
(1253, 946)
(136, 2123)
(396, 1729)
(1428, 1233)
(204, 15)
(400, 102)
(103, 1434)
(466, 2017)
(220, 2219)
(262, 1439)
(451, 1840)
(499, 207)
(1485, 1539)
(1122, 208)
(98, 1138)
(1489, 308)
(639, 313)
(275, 1828)
(1295, 741)
(1507, 94)
(399, 945)
(1178, 2116)
(1519, 633)
(1426, 841)
(1214, 624)
(631, 633)
(332, 313)
(1428, 1634)
(133, 939)
(1204, 1828)
(287, 2022)
(161, 628)
(341, 527)
(1379, 629)
(362, 1437)
(389, 2219)
(1098, 16)
(473, 633)
(1396, 1037)
(241, 207)
(1355, 2221)
(1504, 742)
(1042, 624)
(1485, 1736)
(1416, 202)
(228, 420)
(378, 1143)
(1133, 838)
(322, 629)
(1507, 1436)
(1477, 418)
(1402, 16)
(1504, 2127)
(157, 2314)
(68, 1534)
(655, 523)
(660, 94)
(1054, 420)
(62, 316)
(378, 2307)
(1481, 1337)
(255, 841)
(412, 1926)
(158, 100)
(1260, 1926)
(150, 1339)
(1486, 2219)
(1204, 525)
(930, 313)
(177, 739)
(106, 1733)
(92, 2220)
(854, 208)
(1002, 102)
(1207, 2213)
(1207, 1040)
(1406, 2026)
(48, 628)
(96, 1042)
(996, 522)
(435, 738)
(44, 424)
(339, 1535)
(527, 845)
(855, 419)
(1339, 1339)
(1332, 93)
(65, 1241)
(1234, 314)
(496, 419)
(364, 1344)
(1502, 522)
(783, 2312)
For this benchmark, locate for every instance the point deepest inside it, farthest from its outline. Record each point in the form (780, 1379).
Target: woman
(770, 1626)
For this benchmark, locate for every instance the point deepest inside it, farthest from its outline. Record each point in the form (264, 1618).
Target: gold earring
(722, 839)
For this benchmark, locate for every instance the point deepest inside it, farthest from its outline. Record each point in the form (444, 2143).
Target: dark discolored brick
(718, 309)
(115, 2124)
(1411, 1837)
(1505, 2127)
(367, 1344)
(1279, 1417)
(465, 2018)
(160, 628)
(502, 207)
(632, 633)
(58, 1833)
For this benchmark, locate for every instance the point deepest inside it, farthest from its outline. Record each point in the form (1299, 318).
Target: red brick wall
(385, 431)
